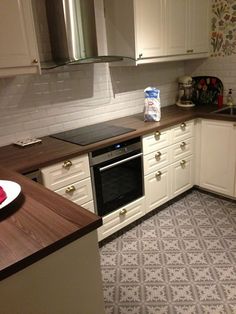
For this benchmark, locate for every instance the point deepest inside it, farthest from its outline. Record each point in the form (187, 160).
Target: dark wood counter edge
(171, 115)
(50, 199)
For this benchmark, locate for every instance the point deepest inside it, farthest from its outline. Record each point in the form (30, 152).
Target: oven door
(118, 182)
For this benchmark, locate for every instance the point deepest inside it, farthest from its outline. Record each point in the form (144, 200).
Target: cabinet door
(182, 176)
(217, 156)
(149, 25)
(18, 41)
(176, 27)
(198, 35)
(157, 188)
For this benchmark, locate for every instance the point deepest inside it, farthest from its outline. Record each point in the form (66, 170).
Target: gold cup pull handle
(70, 189)
(157, 134)
(158, 174)
(182, 145)
(183, 125)
(158, 155)
(123, 211)
(67, 164)
(182, 163)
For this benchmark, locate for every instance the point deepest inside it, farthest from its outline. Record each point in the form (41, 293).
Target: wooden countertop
(51, 150)
(40, 221)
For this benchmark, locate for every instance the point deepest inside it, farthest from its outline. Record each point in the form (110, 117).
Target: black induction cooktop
(92, 133)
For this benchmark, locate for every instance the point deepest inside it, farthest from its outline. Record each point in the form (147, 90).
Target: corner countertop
(40, 221)
(52, 150)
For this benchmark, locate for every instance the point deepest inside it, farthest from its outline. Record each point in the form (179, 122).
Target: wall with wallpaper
(222, 63)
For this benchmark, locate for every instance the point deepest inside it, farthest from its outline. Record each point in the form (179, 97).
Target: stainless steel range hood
(73, 34)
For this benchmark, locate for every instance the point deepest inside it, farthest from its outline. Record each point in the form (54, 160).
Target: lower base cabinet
(157, 188)
(121, 218)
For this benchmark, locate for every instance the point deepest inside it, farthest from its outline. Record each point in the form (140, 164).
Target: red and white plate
(12, 190)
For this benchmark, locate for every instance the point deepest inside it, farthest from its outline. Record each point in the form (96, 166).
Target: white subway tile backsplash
(76, 96)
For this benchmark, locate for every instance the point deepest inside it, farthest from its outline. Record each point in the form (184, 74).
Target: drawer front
(121, 218)
(156, 160)
(157, 188)
(79, 192)
(67, 172)
(182, 131)
(182, 149)
(155, 141)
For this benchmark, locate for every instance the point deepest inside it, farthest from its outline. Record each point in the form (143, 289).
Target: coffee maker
(185, 92)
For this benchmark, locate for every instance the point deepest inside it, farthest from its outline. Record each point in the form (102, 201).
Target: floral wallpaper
(223, 36)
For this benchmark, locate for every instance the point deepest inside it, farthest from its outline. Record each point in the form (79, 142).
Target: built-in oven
(116, 175)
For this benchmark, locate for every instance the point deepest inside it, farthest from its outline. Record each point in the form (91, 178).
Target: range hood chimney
(73, 34)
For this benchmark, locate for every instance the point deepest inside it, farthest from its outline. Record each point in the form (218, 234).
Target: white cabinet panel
(155, 141)
(183, 131)
(156, 160)
(218, 143)
(182, 149)
(121, 218)
(157, 188)
(18, 53)
(63, 173)
(149, 25)
(89, 206)
(182, 176)
(79, 192)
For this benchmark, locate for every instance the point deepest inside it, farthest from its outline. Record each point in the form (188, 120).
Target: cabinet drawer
(155, 141)
(67, 172)
(157, 188)
(182, 149)
(121, 217)
(89, 206)
(156, 160)
(182, 131)
(79, 192)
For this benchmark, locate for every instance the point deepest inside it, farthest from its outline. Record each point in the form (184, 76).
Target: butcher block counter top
(52, 150)
(40, 221)
(37, 223)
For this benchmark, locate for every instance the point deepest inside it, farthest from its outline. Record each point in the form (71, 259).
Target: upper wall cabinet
(18, 53)
(157, 30)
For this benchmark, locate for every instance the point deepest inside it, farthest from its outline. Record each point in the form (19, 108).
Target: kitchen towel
(3, 195)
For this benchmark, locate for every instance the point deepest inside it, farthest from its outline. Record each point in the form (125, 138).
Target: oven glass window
(118, 185)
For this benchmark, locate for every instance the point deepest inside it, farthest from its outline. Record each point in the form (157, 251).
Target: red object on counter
(3, 195)
(220, 101)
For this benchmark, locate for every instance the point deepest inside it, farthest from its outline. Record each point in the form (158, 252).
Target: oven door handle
(119, 162)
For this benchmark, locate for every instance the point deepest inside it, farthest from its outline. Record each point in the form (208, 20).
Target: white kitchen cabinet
(168, 163)
(181, 176)
(71, 179)
(159, 30)
(218, 156)
(18, 53)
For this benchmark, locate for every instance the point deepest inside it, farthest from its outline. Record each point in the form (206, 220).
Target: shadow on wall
(64, 84)
(132, 78)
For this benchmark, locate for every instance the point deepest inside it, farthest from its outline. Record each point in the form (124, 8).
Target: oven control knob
(122, 212)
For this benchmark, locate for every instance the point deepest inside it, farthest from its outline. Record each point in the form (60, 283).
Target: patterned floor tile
(181, 260)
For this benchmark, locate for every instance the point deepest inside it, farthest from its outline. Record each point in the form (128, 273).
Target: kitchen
(70, 97)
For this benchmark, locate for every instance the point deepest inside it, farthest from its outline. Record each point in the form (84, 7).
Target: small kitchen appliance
(185, 92)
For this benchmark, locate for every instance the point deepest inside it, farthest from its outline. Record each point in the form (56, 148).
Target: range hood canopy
(73, 34)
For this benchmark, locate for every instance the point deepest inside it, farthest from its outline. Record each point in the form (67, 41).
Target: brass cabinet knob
(158, 155)
(70, 189)
(140, 56)
(157, 134)
(182, 145)
(35, 61)
(158, 174)
(183, 125)
(123, 211)
(190, 51)
(67, 164)
(183, 162)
